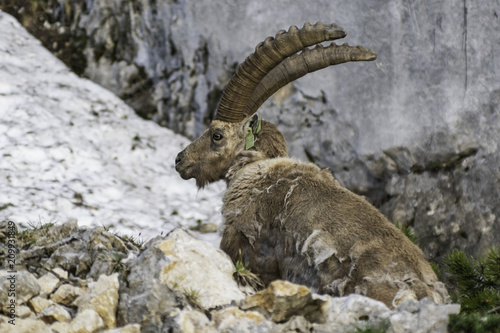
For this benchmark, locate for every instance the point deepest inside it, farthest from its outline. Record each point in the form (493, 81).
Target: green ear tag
(250, 141)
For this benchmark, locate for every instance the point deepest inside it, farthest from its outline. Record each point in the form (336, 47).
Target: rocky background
(416, 132)
(84, 280)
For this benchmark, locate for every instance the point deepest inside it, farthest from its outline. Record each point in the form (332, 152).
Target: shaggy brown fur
(292, 220)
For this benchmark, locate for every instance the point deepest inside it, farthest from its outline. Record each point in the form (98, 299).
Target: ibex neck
(244, 158)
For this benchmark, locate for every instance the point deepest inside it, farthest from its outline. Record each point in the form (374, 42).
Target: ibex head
(237, 135)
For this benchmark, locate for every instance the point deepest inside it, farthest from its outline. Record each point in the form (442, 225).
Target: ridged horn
(301, 64)
(268, 55)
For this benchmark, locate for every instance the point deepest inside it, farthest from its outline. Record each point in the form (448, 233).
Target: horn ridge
(268, 55)
(298, 65)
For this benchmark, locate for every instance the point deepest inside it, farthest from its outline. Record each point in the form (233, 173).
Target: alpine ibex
(291, 220)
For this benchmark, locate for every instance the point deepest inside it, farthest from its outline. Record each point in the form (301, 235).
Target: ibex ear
(253, 126)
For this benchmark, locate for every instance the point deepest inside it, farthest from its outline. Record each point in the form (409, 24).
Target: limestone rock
(296, 324)
(234, 320)
(356, 311)
(66, 294)
(283, 299)
(102, 297)
(422, 316)
(86, 321)
(353, 311)
(133, 328)
(24, 311)
(193, 321)
(144, 299)
(48, 283)
(196, 266)
(55, 312)
(28, 325)
(22, 283)
(57, 233)
(61, 273)
(178, 267)
(60, 327)
(38, 304)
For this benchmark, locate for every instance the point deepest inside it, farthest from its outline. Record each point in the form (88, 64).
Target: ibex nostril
(179, 157)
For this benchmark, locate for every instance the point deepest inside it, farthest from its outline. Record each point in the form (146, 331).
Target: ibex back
(291, 220)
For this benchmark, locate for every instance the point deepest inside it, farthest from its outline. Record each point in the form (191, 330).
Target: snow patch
(70, 148)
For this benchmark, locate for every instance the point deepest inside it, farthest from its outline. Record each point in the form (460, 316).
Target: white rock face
(70, 148)
(194, 266)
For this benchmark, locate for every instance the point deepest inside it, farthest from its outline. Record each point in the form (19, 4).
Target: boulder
(38, 304)
(86, 321)
(55, 312)
(197, 267)
(282, 300)
(20, 286)
(102, 297)
(182, 269)
(28, 325)
(67, 294)
(48, 283)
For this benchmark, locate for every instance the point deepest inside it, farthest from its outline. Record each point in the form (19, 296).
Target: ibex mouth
(183, 171)
(180, 168)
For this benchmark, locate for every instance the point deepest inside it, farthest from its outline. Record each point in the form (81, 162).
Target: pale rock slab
(102, 297)
(283, 299)
(60, 327)
(422, 316)
(132, 328)
(192, 321)
(87, 321)
(233, 319)
(196, 266)
(55, 312)
(353, 311)
(38, 304)
(66, 294)
(28, 325)
(48, 283)
(61, 273)
(24, 311)
(23, 283)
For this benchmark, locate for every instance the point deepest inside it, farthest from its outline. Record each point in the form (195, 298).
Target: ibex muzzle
(288, 219)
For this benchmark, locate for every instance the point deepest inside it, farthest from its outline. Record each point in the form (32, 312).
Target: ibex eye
(216, 136)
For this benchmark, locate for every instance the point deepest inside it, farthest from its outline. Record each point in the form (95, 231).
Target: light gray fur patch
(316, 249)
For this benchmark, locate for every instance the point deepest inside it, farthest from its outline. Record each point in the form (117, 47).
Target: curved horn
(301, 64)
(268, 55)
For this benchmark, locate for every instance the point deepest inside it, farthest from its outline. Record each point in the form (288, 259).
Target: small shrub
(474, 323)
(475, 284)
